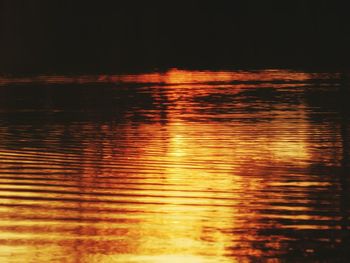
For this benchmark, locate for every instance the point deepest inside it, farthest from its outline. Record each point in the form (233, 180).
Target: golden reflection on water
(215, 172)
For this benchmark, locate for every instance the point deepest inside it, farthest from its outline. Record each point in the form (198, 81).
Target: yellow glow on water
(208, 171)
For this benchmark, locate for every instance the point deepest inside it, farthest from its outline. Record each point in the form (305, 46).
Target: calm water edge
(177, 166)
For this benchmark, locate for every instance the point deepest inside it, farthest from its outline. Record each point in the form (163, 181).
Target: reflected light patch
(290, 150)
(165, 259)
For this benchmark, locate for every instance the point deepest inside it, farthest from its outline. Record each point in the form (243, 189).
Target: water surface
(177, 166)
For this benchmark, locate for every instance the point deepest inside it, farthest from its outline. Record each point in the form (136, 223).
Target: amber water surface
(177, 166)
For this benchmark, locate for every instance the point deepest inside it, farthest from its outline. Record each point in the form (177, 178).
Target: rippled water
(179, 166)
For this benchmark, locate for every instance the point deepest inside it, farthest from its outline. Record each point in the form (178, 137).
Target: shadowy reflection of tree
(327, 233)
(36, 109)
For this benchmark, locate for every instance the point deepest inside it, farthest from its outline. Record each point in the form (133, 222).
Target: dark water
(180, 166)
